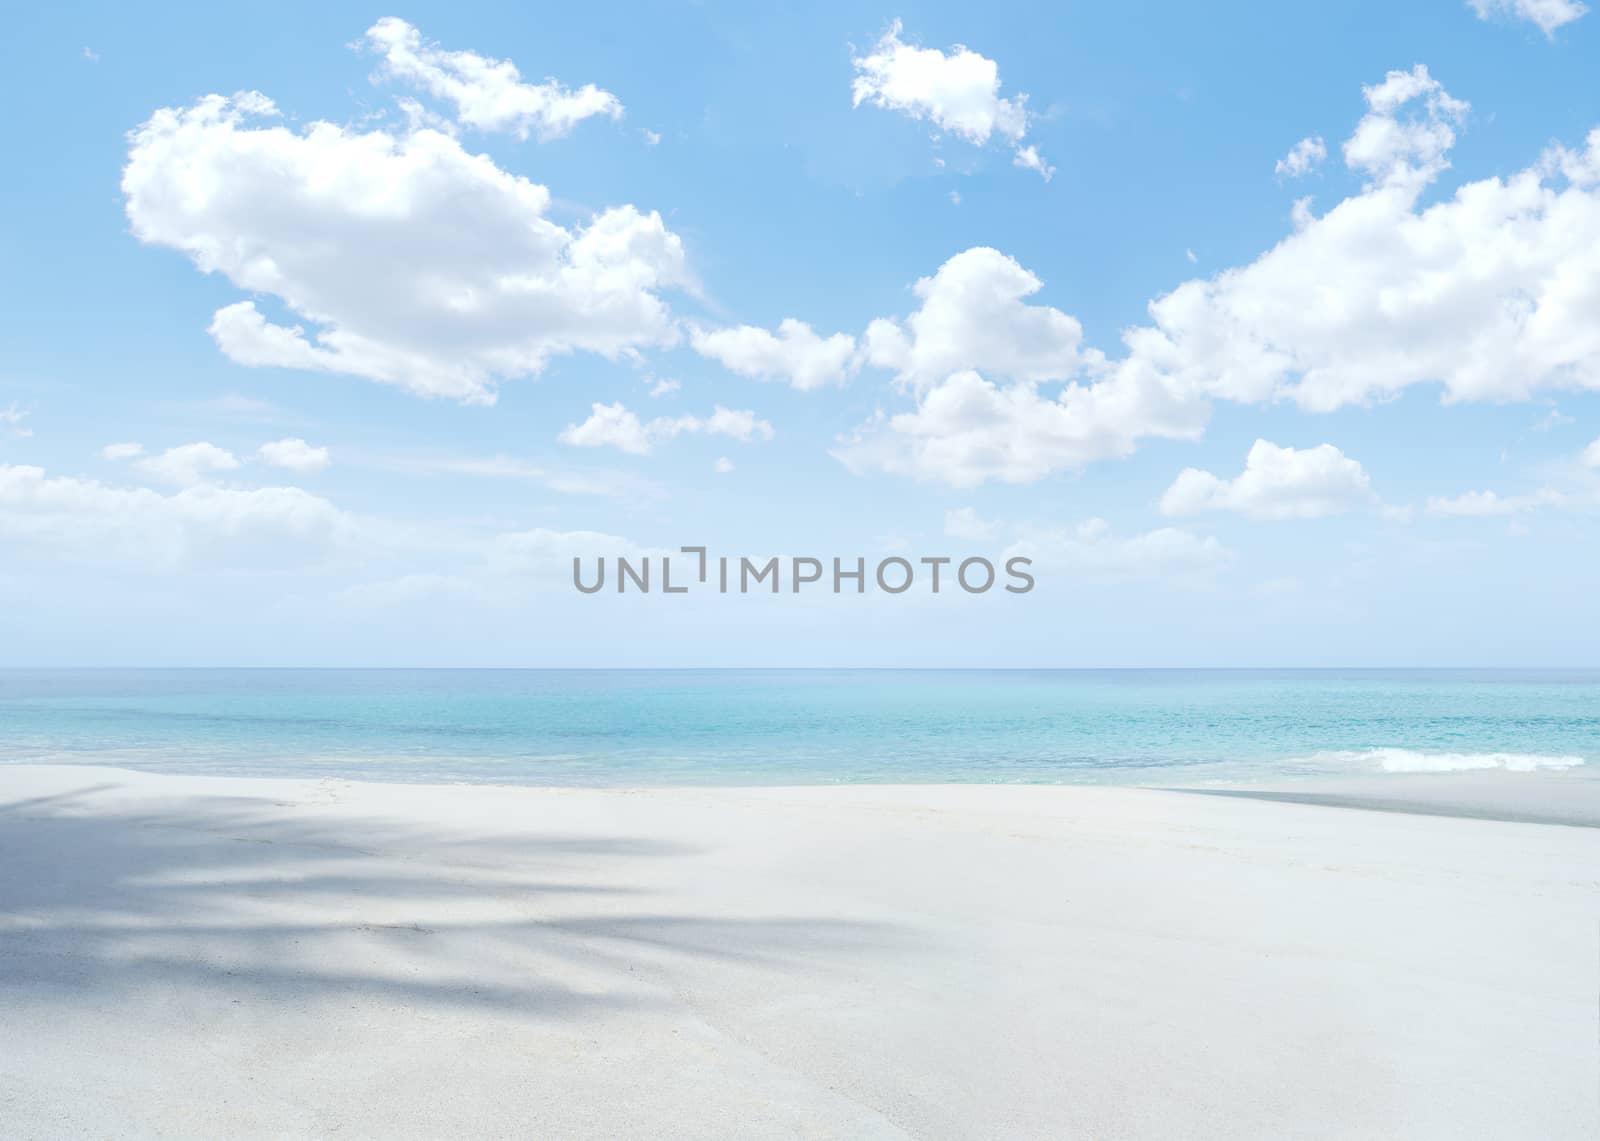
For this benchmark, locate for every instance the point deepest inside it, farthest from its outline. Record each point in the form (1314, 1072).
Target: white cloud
(955, 198)
(1277, 483)
(12, 417)
(613, 425)
(967, 430)
(121, 451)
(723, 465)
(1580, 168)
(610, 425)
(1485, 293)
(1488, 293)
(1548, 15)
(146, 526)
(958, 92)
(488, 94)
(974, 315)
(1578, 489)
(417, 264)
(1092, 552)
(965, 523)
(188, 464)
(651, 138)
(1027, 158)
(1405, 152)
(1482, 293)
(1189, 254)
(1303, 158)
(664, 387)
(795, 353)
(294, 455)
(1484, 504)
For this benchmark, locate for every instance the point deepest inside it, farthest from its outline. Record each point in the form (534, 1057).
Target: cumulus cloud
(488, 94)
(1547, 15)
(965, 523)
(958, 92)
(974, 315)
(1591, 455)
(1487, 293)
(1093, 552)
(610, 425)
(1277, 483)
(1580, 168)
(147, 526)
(1484, 293)
(188, 464)
(723, 465)
(613, 425)
(967, 430)
(294, 455)
(413, 262)
(1304, 157)
(1407, 152)
(795, 353)
(974, 319)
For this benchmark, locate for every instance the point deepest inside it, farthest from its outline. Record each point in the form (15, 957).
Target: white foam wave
(1412, 761)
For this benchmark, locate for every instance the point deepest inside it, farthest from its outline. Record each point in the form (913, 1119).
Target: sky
(331, 335)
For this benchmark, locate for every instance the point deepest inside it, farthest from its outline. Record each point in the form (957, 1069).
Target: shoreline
(1569, 798)
(235, 956)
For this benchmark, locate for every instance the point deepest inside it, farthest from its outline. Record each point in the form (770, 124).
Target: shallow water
(654, 727)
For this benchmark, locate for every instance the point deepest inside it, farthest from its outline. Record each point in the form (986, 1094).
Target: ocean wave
(1412, 761)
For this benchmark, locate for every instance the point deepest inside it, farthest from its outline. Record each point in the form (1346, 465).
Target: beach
(199, 956)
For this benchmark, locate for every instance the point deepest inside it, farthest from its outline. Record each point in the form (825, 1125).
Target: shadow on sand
(101, 896)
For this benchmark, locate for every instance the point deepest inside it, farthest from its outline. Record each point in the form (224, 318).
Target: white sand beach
(186, 957)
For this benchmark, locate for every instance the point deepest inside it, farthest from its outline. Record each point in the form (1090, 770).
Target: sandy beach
(188, 957)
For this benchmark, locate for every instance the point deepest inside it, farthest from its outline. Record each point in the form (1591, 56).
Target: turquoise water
(647, 727)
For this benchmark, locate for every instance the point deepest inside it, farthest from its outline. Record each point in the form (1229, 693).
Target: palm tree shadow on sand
(102, 896)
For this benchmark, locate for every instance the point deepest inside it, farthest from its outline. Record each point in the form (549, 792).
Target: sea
(749, 727)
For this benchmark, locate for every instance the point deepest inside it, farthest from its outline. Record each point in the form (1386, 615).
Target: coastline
(1570, 797)
(193, 956)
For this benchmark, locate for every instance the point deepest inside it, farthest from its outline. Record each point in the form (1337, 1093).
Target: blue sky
(490, 377)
